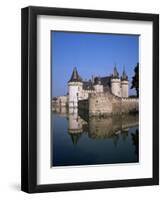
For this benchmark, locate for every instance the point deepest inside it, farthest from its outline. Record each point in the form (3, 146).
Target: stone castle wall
(130, 105)
(100, 103)
(108, 104)
(59, 102)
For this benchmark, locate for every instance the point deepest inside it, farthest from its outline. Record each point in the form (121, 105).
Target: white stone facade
(75, 93)
(98, 88)
(116, 87)
(124, 89)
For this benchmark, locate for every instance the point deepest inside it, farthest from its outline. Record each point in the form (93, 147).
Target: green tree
(135, 80)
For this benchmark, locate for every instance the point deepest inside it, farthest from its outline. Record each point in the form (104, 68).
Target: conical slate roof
(75, 76)
(124, 76)
(115, 73)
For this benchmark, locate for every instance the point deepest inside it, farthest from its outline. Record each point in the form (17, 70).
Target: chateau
(100, 95)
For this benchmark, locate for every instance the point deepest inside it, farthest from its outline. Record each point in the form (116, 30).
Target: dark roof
(97, 80)
(115, 73)
(124, 76)
(88, 85)
(105, 81)
(54, 98)
(75, 76)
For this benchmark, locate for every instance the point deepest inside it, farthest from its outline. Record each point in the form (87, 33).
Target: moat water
(79, 140)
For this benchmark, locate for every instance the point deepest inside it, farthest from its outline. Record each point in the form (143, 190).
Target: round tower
(124, 84)
(97, 85)
(116, 83)
(75, 86)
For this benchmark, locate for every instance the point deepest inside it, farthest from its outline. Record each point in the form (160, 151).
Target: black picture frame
(29, 99)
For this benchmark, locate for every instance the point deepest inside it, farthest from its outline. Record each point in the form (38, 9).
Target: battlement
(130, 99)
(99, 94)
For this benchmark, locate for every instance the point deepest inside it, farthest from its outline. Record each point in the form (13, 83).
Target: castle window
(96, 101)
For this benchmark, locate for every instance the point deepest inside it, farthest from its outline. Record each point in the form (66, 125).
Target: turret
(124, 84)
(97, 85)
(116, 83)
(75, 86)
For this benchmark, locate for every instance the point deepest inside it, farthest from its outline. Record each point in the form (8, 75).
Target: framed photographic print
(90, 99)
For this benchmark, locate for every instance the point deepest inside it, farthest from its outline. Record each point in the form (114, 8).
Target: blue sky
(92, 54)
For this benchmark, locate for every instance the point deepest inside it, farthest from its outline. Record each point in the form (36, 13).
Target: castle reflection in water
(80, 140)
